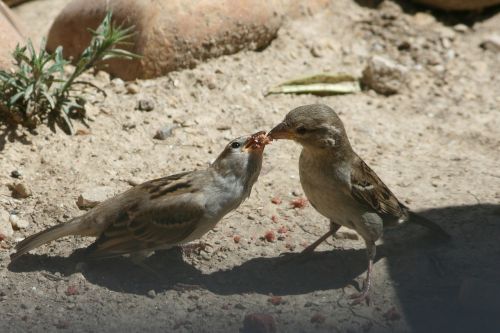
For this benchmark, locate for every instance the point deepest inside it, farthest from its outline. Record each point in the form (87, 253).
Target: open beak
(281, 131)
(257, 142)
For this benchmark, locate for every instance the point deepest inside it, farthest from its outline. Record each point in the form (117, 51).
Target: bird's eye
(301, 130)
(235, 145)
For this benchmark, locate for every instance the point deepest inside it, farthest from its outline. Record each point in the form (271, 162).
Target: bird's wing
(368, 189)
(170, 212)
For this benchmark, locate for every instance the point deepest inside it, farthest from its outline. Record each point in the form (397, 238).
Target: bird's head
(242, 157)
(314, 126)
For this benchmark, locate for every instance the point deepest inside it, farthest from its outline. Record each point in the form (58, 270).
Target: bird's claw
(364, 295)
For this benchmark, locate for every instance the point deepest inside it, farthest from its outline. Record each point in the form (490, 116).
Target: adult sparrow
(339, 184)
(165, 212)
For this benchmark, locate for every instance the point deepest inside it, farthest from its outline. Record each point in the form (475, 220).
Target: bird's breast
(326, 187)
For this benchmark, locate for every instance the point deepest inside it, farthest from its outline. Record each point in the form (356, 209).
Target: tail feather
(45, 236)
(420, 220)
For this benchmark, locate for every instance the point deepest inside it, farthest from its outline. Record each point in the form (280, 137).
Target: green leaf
(16, 97)
(320, 84)
(28, 91)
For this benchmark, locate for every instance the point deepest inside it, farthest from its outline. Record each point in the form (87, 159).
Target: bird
(340, 185)
(164, 212)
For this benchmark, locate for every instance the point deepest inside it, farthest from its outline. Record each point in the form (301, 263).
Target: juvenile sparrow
(339, 184)
(165, 212)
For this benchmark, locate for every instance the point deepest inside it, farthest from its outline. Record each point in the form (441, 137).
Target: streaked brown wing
(167, 216)
(369, 190)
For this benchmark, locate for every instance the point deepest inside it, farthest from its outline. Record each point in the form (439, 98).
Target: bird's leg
(138, 258)
(365, 291)
(333, 229)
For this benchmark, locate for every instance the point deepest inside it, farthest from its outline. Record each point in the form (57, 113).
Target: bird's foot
(364, 295)
(196, 248)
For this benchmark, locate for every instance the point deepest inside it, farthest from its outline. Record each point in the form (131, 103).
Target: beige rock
(20, 190)
(6, 230)
(178, 33)
(383, 75)
(93, 196)
(459, 4)
(11, 34)
(17, 222)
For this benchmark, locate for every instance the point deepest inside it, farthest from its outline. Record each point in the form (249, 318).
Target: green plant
(39, 91)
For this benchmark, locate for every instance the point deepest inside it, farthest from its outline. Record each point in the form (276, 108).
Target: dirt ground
(435, 143)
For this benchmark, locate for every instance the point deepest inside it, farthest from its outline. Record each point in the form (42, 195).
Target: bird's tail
(420, 220)
(65, 229)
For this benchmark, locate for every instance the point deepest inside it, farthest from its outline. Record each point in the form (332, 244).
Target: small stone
(133, 88)
(134, 181)
(17, 222)
(462, 28)
(259, 323)
(20, 191)
(6, 230)
(296, 193)
(164, 133)
(145, 105)
(117, 82)
(383, 75)
(491, 43)
(151, 293)
(236, 239)
(15, 174)
(93, 196)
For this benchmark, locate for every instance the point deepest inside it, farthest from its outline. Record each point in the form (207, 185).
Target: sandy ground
(435, 143)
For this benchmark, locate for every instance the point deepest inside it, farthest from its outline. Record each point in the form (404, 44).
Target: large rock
(176, 33)
(384, 75)
(11, 34)
(459, 4)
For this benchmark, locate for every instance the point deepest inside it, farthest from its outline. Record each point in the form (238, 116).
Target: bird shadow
(428, 281)
(425, 272)
(288, 274)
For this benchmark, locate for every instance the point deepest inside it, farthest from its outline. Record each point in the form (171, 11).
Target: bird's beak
(281, 131)
(256, 142)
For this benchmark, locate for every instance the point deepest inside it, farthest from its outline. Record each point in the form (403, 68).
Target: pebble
(17, 222)
(20, 191)
(15, 174)
(93, 196)
(165, 132)
(259, 323)
(133, 88)
(145, 105)
(462, 28)
(491, 43)
(5, 224)
(152, 293)
(117, 82)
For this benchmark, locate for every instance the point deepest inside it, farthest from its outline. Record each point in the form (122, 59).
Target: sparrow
(165, 212)
(340, 185)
